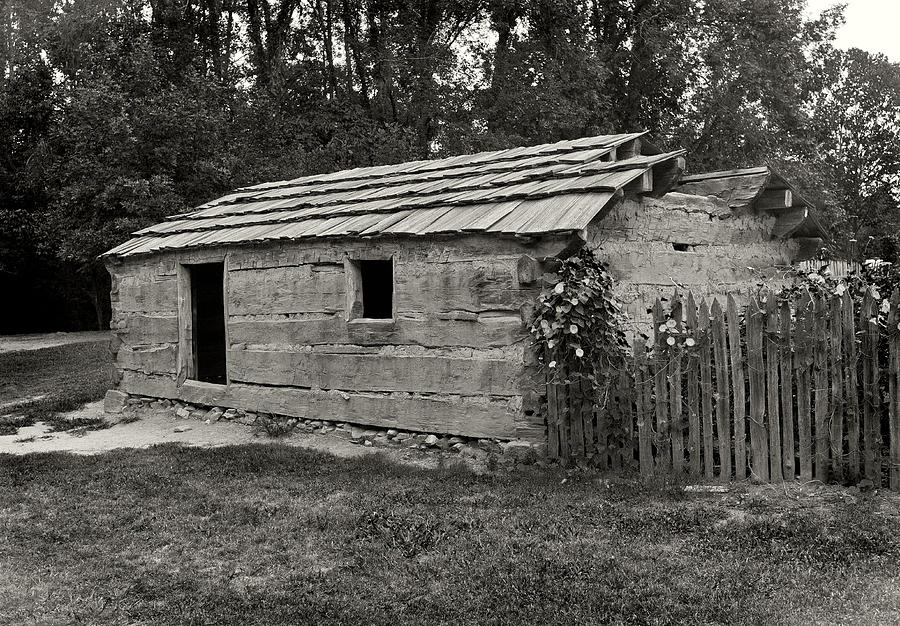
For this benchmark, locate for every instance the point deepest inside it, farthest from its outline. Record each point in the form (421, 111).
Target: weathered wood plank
(156, 359)
(693, 389)
(759, 442)
(376, 372)
(837, 388)
(738, 386)
(187, 360)
(676, 413)
(552, 421)
(723, 390)
(470, 417)
(642, 383)
(821, 416)
(137, 329)
(586, 392)
(145, 293)
(803, 364)
(482, 332)
(660, 373)
(851, 391)
(785, 361)
(868, 323)
(706, 390)
(576, 424)
(563, 415)
(772, 396)
(285, 290)
(626, 403)
(894, 389)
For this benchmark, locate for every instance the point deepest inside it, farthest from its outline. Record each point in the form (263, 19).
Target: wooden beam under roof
(641, 184)
(775, 199)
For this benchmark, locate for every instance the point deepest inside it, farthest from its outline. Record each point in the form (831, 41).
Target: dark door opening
(208, 313)
(377, 288)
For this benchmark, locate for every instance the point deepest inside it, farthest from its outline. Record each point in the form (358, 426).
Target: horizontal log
(152, 360)
(301, 289)
(137, 329)
(775, 199)
(488, 333)
(438, 249)
(480, 285)
(143, 294)
(376, 372)
(470, 417)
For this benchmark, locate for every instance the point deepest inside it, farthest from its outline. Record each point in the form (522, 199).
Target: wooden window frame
(187, 358)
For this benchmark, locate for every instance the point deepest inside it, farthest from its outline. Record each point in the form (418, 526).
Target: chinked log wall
(775, 391)
(453, 361)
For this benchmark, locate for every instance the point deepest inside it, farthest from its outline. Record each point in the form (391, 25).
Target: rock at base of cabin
(430, 440)
(213, 415)
(230, 414)
(182, 413)
(198, 414)
(474, 453)
(114, 401)
(520, 451)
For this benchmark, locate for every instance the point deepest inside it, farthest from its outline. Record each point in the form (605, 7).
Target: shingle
(534, 189)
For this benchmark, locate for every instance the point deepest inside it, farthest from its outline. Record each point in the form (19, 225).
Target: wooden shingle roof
(762, 189)
(532, 190)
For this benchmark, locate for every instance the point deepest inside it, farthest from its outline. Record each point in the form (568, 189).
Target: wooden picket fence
(774, 390)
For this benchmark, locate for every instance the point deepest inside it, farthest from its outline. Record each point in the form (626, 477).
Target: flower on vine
(560, 287)
(573, 329)
(551, 364)
(671, 341)
(663, 328)
(885, 306)
(689, 342)
(579, 352)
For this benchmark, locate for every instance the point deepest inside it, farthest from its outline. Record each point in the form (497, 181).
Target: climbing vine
(577, 324)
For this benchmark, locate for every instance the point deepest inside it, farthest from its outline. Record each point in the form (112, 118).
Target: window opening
(377, 278)
(682, 247)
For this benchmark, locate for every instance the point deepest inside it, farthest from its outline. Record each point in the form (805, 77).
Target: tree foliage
(115, 113)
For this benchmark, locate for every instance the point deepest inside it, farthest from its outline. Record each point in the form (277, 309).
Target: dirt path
(18, 343)
(161, 426)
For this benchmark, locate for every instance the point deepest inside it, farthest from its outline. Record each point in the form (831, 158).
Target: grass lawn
(271, 535)
(67, 376)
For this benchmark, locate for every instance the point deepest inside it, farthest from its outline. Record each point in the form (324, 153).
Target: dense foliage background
(115, 113)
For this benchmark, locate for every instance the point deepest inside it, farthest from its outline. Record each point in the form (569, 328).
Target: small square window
(371, 289)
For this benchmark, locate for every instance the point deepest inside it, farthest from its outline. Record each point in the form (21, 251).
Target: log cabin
(396, 296)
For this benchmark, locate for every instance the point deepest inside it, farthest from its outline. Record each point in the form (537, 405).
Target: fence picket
(737, 384)
(626, 402)
(803, 366)
(871, 397)
(706, 391)
(723, 390)
(642, 407)
(552, 421)
(676, 414)
(785, 358)
(660, 366)
(820, 350)
(772, 395)
(693, 389)
(894, 388)
(836, 321)
(851, 391)
(759, 444)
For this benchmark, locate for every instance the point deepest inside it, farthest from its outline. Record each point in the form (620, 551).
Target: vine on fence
(577, 325)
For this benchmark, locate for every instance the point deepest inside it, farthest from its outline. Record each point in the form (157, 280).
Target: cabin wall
(454, 359)
(721, 252)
